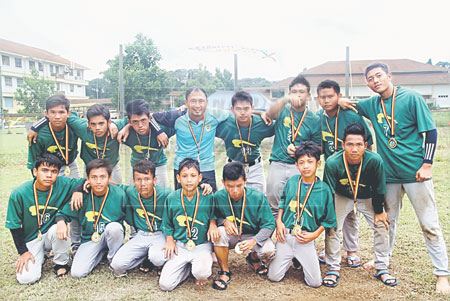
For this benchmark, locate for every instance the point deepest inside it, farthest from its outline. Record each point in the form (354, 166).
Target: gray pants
(421, 196)
(256, 178)
(116, 177)
(176, 269)
(137, 249)
(160, 173)
(74, 171)
(344, 207)
(37, 248)
(306, 254)
(90, 253)
(279, 173)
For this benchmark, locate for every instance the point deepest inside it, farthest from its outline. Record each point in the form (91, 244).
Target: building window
(71, 72)
(57, 69)
(19, 82)
(78, 72)
(32, 65)
(8, 81)
(8, 102)
(71, 88)
(78, 86)
(58, 87)
(18, 62)
(51, 69)
(5, 60)
(40, 66)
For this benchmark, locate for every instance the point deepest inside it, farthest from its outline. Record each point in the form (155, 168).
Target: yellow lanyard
(242, 213)
(36, 201)
(335, 134)
(104, 147)
(99, 213)
(148, 146)
(195, 212)
(299, 214)
(248, 138)
(295, 132)
(66, 156)
(145, 211)
(358, 176)
(391, 122)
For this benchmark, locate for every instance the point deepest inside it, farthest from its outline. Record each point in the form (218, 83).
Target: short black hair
(195, 89)
(188, 163)
(233, 171)
(144, 167)
(355, 129)
(57, 100)
(327, 84)
(98, 110)
(383, 66)
(241, 96)
(300, 79)
(309, 149)
(137, 107)
(47, 160)
(98, 163)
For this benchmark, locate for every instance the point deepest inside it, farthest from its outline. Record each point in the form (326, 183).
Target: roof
(222, 100)
(29, 51)
(89, 102)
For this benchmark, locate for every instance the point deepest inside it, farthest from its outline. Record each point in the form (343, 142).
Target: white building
(17, 61)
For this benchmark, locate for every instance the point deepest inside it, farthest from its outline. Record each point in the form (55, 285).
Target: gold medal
(297, 229)
(39, 216)
(95, 237)
(190, 245)
(147, 220)
(294, 131)
(237, 248)
(67, 171)
(244, 149)
(392, 143)
(199, 143)
(39, 236)
(350, 180)
(354, 208)
(149, 233)
(246, 168)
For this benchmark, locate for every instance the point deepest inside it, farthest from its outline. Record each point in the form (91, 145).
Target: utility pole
(1, 99)
(235, 72)
(347, 72)
(121, 89)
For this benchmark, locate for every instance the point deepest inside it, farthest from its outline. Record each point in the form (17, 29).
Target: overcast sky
(300, 33)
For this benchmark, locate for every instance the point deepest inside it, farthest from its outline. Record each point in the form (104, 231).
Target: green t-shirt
(22, 208)
(345, 118)
(257, 214)
(228, 131)
(310, 131)
(135, 214)
(113, 211)
(372, 180)
(412, 119)
(46, 144)
(319, 209)
(174, 219)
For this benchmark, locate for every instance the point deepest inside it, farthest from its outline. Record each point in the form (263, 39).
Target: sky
(301, 34)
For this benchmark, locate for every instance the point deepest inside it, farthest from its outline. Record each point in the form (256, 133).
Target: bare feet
(200, 282)
(370, 265)
(442, 286)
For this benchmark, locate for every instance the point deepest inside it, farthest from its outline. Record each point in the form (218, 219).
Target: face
(57, 116)
(302, 94)
(189, 178)
(196, 104)
(307, 166)
(98, 179)
(328, 99)
(235, 188)
(140, 123)
(99, 125)
(242, 110)
(45, 175)
(144, 183)
(378, 81)
(354, 147)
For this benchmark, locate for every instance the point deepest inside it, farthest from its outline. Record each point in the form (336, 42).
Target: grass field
(410, 262)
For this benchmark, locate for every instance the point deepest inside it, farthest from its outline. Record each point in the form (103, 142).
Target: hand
(170, 248)
(424, 173)
(62, 231)
(230, 228)
(266, 118)
(213, 233)
(383, 218)
(295, 100)
(162, 139)
(247, 245)
(291, 150)
(123, 134)
(77, 201)
(348, 104)
(23, 261)
(31, 137)
(305, 237)
(207, 189)
(86, 186)
(113, 130)
(281, 231)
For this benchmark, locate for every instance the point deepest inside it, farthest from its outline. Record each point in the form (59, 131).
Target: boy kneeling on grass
(189, 224)
(306, 209)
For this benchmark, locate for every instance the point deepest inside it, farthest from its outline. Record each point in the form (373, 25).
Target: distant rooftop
(222, 100)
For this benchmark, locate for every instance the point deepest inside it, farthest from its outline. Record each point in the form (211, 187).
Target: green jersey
(412, 119)
(45, 143)
(319, 209)
(309, 131)
(328, 126)
(22, 211)
(135, 214)
(257, 213)
(174, 220)
(113, 211)
(235, 146)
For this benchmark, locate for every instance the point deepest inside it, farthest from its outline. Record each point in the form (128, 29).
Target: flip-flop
(322, 254)
(223, 282)
(334, 281)
(352, 259)
(385, 280)
(262, 270)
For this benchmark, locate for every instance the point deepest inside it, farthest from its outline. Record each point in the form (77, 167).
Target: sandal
(334, 282)
(221, 281)
(386, 279)
(146, 266)
(262, 270)
(352, 260)
(66, 267)
(322, 257)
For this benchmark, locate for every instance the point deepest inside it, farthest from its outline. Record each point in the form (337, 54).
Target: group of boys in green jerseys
(356, 181)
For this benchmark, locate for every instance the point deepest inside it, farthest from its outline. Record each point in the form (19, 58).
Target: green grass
(410, 264)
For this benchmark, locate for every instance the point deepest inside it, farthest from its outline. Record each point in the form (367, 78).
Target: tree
(254, 82)
(34, 93)
(99, 88)
(430, 62)
(443, 64)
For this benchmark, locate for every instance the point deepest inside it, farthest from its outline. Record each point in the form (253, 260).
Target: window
(78, 86)
(8, 81)
(71, 88)
(41, 66)
(51, 69)
(78, 72)
(58, 87)
(32, 65)
(19, 81)
(8, 102)
(5, 60)
(57, 69)
(71, 72)
(18, 62)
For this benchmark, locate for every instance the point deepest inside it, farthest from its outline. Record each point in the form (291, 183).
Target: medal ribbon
(65, 157)
(36, 201)
(391, 123)
(299, 214)
(242, 213)
(104, 147)
(148, 146)
(101, 208)
(198, 144)
(145, 211)
(335, 134)
(358, 176)
(195, 212)
(295, 132)
(248, 138)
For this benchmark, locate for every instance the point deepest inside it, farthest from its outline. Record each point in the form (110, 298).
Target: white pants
(279, 173)
(256, 179)
(37, 249)
(160, 173)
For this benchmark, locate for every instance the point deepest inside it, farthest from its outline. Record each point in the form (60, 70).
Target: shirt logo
(231, 219)
(140, 149)
(90, 216)
(32, 209)
(238, 142)
(140, 212)
(181, 219)
(92, 146)
(293, 207)
(208, 127)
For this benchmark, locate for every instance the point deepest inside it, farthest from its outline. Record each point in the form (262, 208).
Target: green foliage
(254, 82)
(429, 62)
(443, 64)
(100, 84)
(34, 93)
